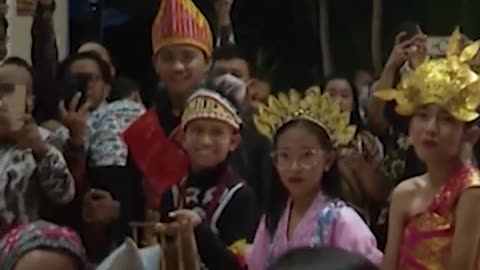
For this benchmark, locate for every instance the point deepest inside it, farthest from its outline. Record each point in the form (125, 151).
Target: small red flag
(161, 160)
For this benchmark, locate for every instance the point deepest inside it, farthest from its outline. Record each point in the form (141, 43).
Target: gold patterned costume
(427, 239)
(450, 83)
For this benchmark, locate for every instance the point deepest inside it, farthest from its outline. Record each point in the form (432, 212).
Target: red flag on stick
(161, 160)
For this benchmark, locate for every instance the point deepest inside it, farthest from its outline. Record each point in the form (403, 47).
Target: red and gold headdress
(181, 22)
(448, 81)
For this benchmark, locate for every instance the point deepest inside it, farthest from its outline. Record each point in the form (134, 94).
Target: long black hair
(355, 118)
(310, 258)
(278, 195)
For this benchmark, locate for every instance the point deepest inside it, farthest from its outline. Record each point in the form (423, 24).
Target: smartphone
(76, 83)
(410, 28)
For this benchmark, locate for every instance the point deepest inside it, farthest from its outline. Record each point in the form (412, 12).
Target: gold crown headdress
(448, 81)
(211, 105)
(315, 107)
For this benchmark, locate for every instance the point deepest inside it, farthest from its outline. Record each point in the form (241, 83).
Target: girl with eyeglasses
(304, 208)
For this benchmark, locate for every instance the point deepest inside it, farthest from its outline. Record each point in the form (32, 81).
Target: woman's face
(300, 161)
(180, 67)
(341, 92)
(208, 142)
(42, 259)
(436, 134)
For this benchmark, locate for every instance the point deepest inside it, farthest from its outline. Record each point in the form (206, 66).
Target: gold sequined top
(427, 239)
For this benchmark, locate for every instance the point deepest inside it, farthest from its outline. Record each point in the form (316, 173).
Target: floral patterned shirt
(23, 179)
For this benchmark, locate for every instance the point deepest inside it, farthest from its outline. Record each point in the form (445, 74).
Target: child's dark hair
(227, 52)
(122, 88)
(224, 89)
(330, 258)
(64, 67)
(355, 118)
(19, 62)
(278, 195)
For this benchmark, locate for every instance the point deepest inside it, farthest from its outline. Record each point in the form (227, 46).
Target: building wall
(20, 28)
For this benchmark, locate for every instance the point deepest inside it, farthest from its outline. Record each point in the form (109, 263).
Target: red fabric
(241, 261)
(161, 160)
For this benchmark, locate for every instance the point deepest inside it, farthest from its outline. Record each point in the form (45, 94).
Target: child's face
(436, 134)
(342, 93)
(208, 142)
(301, 161)
(40, 259)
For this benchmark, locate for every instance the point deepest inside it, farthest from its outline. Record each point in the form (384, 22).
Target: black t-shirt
(232, 219)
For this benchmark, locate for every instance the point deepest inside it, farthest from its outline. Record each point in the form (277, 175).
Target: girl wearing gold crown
(434, 221)
(219, 205)
(304, 208)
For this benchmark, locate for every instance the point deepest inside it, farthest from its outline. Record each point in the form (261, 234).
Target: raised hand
(26, 7)
(223, 9)
(75, 120)
(413, 49)
(28, 137)
(3, 8)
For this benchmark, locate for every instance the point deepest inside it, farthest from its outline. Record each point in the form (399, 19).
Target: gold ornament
(314, 106)
(205, 104)
(448, 81)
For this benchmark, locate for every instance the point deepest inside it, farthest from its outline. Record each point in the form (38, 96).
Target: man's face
(181, 68)
(236, 67)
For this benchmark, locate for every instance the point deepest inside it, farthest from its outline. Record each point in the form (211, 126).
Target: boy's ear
(235, 142)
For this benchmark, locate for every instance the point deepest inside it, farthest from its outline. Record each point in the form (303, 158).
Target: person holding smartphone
(399, 161)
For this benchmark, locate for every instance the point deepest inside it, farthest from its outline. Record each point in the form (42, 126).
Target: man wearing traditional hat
(182, 46)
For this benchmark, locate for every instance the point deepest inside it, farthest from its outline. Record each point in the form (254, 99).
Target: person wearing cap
(212, 197)
(182, 47)
(42, 245)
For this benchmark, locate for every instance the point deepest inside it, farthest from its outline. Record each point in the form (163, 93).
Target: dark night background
(286, 31)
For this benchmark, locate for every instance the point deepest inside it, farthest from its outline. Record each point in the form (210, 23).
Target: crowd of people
(223, 172)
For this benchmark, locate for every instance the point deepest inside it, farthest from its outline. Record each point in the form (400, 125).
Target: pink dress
(327, 222)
